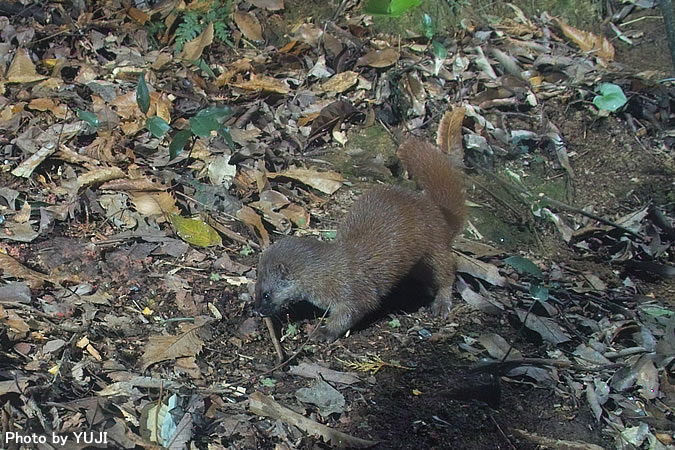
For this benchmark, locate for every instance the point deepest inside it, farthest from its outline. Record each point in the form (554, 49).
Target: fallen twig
(275, 340)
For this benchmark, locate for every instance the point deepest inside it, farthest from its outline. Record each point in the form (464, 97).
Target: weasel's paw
(323, 335)
(441, 308)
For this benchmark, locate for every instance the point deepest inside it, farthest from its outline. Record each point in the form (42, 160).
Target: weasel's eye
(266, 296)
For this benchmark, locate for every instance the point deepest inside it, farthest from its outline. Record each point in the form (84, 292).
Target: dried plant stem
(275, 340)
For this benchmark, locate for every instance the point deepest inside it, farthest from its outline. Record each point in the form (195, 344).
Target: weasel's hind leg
(443, 264)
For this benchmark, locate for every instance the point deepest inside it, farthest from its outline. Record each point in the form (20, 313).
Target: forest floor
(133, 214)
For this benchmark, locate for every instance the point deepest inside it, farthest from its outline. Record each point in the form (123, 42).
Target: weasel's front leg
(341, 319)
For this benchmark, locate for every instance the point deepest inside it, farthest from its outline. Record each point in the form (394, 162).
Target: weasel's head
(277, 285)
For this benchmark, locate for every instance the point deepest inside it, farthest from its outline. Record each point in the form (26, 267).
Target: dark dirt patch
(650, 30)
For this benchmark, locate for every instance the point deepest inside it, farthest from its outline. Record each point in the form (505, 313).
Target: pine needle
(372, 365)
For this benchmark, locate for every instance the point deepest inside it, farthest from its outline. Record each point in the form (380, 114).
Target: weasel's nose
(262, 310)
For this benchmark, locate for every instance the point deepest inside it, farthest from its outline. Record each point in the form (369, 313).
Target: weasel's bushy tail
(440, 179)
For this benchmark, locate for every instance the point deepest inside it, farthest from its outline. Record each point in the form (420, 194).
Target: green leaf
(656, 311)
(440, 52)
(268, 382)
(523, 265)
(377, 7)
(157, 126)
(178, 143)
(292, 330)
(398, 7)
(225, 133)
(214, 276)
(539, 292)
(391, 8)
(89, 117)
(195, 231)
(611, 97)
(205, 67)
(329, 234)
(394, 323)
(202, 126)
(218, 113)
(143, 94)
(208, 120)
(428, 25)
(246, 250)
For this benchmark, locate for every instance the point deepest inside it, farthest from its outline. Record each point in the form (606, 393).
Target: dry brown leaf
(250, 218)
(239, 66)
(26, 168)
(162, 348)
(589, 42)
(152, 204)
(308, 33)
(326, 182)
(16, 386)
(101, 149)
(249, 25)
(479, 269)
(269, 203)
(331, 117)
(379, 58)
(23, 215)
(340, 82)
(189, 365)
(308, 118)
(126, 106)
(132, 184)
(160, 106)
(42, 104)
(161, 60)
(99, 176)
(547, 442)
(93, 352)
(262, 405)
(270, 5)
(513, 28)
(263, 83)
(193, 49)
(17, 327)
(138, 15)
(449, 137)
(22, 69)
(13, 268)
(296, 214)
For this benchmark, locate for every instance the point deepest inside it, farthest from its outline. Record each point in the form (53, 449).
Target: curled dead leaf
(589, 42)
(193, 49)
(162, 348)
(99, 176)
(22, 69)
(340, 82)
(449, 137)
(263, 83)
(249, 217)
(326, 182)
(11, 267)
(263, 405)
(249, 25)
(379, 58)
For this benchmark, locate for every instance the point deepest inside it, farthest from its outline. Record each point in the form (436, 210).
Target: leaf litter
(139, 183)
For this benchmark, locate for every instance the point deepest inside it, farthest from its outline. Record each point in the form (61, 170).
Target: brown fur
(387, 232)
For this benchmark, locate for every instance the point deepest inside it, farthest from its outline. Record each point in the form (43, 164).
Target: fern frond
(187, 30)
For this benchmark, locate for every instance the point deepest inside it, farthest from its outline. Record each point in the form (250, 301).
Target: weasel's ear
(283, 271)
